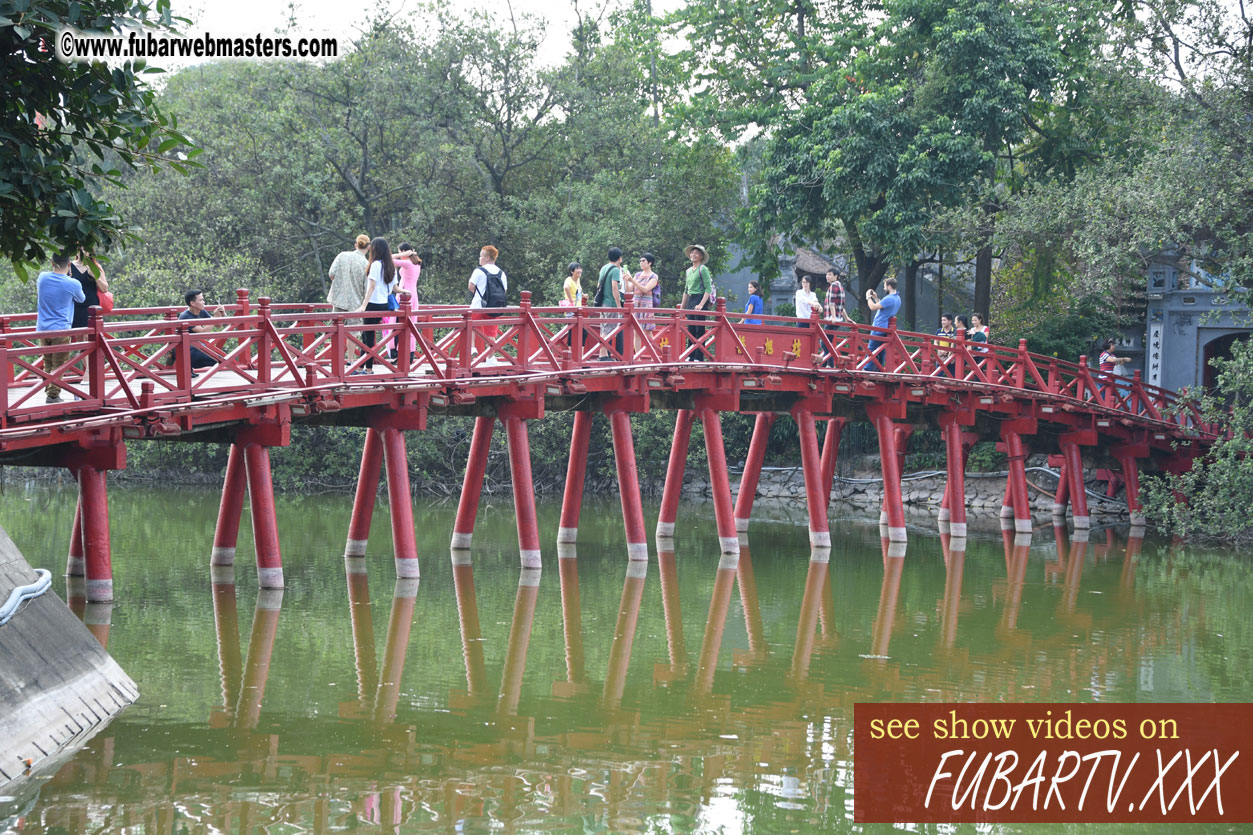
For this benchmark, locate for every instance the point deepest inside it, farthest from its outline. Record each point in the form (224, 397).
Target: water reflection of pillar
(1102, 548)
(624, 633)
(1074, 570)
(391, 809)
(1017, 546)
(226, 627)
(260, 648)
(1127, 579)
(572, 625)
(747, 583)
(807, 625)
(362, 630)
(74, 565)
(667, 566)
(395, 650)
(97, 617)
(468, 615)
(711, 644)
(950, 605)
(1061, 540)
(76, 595)
(519, 641)
(889, 591)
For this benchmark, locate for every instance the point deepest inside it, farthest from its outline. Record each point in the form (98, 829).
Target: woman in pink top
(408, 268)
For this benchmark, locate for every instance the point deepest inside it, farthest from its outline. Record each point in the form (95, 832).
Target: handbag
(106, 301)
(393, 303)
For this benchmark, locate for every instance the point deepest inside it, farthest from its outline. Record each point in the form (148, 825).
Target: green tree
(68, 127)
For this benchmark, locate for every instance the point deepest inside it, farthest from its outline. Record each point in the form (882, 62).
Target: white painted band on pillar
(270, 578)
(355, 565)
(270, 600)
(1021, 540)
(567, 551)
(665, 529)
(943, 525)
(897, 535)
(222, 575)
(1083, 522)
(75, 567)
(945, 514)
(729, 544)
(896, 550)
(727, 561)
(1022, 525)
(406, 588)
(1006, 524)
(1136, 532)
(637, 569)
(1007, 512)
(529, 577)
(407, 569)
(1080, 535)
(819, 554)
(1059, 509)
(741, 524)
(222, 556)
(530, 559)
(355, 548)
(76, 586)
(567, 534)
(98, 614)
(461, 557)
(958, 530)
(1138, 520)
(461, 540)
(820, 539)
(883, 517)
(637, 550)
(100, 590)
(957, 543)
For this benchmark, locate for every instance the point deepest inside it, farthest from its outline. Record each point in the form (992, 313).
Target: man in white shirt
(488, 285)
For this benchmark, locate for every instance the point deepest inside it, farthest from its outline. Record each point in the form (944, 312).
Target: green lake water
(595, 695)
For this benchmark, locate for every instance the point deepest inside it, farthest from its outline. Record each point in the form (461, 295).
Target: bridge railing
(142, 358)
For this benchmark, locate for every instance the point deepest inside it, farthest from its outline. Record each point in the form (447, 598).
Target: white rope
(23, 593)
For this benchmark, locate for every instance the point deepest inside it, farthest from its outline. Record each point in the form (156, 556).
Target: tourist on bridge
(380, 277)
(885, 311)
(1111, 365)
(56, 294)
(194, 299)
(646, 286)
(347, 276)
(755, 304)
(93, 286)
(488, 286)
(698, 293)
(944, 345)
(609, 289)
(572, 297)
(806, 302)
(834, 313)
(408, 270)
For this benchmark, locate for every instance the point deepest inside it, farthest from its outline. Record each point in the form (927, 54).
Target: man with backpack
(488, 284)
(609, 294)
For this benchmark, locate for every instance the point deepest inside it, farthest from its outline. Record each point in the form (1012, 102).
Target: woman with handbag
(380, 277)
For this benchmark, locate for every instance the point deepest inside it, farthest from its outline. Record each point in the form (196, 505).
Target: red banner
(1053, 763)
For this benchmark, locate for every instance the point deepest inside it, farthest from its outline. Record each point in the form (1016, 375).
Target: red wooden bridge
(131, 377)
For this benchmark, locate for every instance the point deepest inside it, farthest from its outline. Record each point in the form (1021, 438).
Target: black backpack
(495, 295)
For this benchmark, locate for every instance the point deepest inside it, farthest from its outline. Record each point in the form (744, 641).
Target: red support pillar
(752, 469)
(367, 491)
(819, 533)
(890, 462)
(629, 486)
(1131, 475)
(830, 452)
(1062, 497)
(901, 436)
(728, 539)
(524, 491)
(1018, 480)
(955, 489)
(264, 522)
(1078, 492)
(226, 533)
(576, 470)
(1007, 501)
(74, 566)
(93, 491)
(472, 487)
(674, 473)
(400, 503)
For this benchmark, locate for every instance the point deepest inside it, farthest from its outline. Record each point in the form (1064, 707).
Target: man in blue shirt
(57, 293)
(885, 310)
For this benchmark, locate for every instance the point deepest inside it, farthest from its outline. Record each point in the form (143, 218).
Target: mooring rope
(21, 594)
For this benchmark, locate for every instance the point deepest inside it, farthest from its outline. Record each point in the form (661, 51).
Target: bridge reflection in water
(750, 726)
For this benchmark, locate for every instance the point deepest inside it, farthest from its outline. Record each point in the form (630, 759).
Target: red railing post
(577, 341)
(628, 327)
(244, 308)
(95, 359)
(182, 357)
(959, 355)
(6, 376)
(465, 348)
(1020, 372)
(524, 336)
(1081, 384)
(264, 341)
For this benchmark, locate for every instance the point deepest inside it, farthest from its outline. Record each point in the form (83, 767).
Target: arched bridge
(131, 376)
